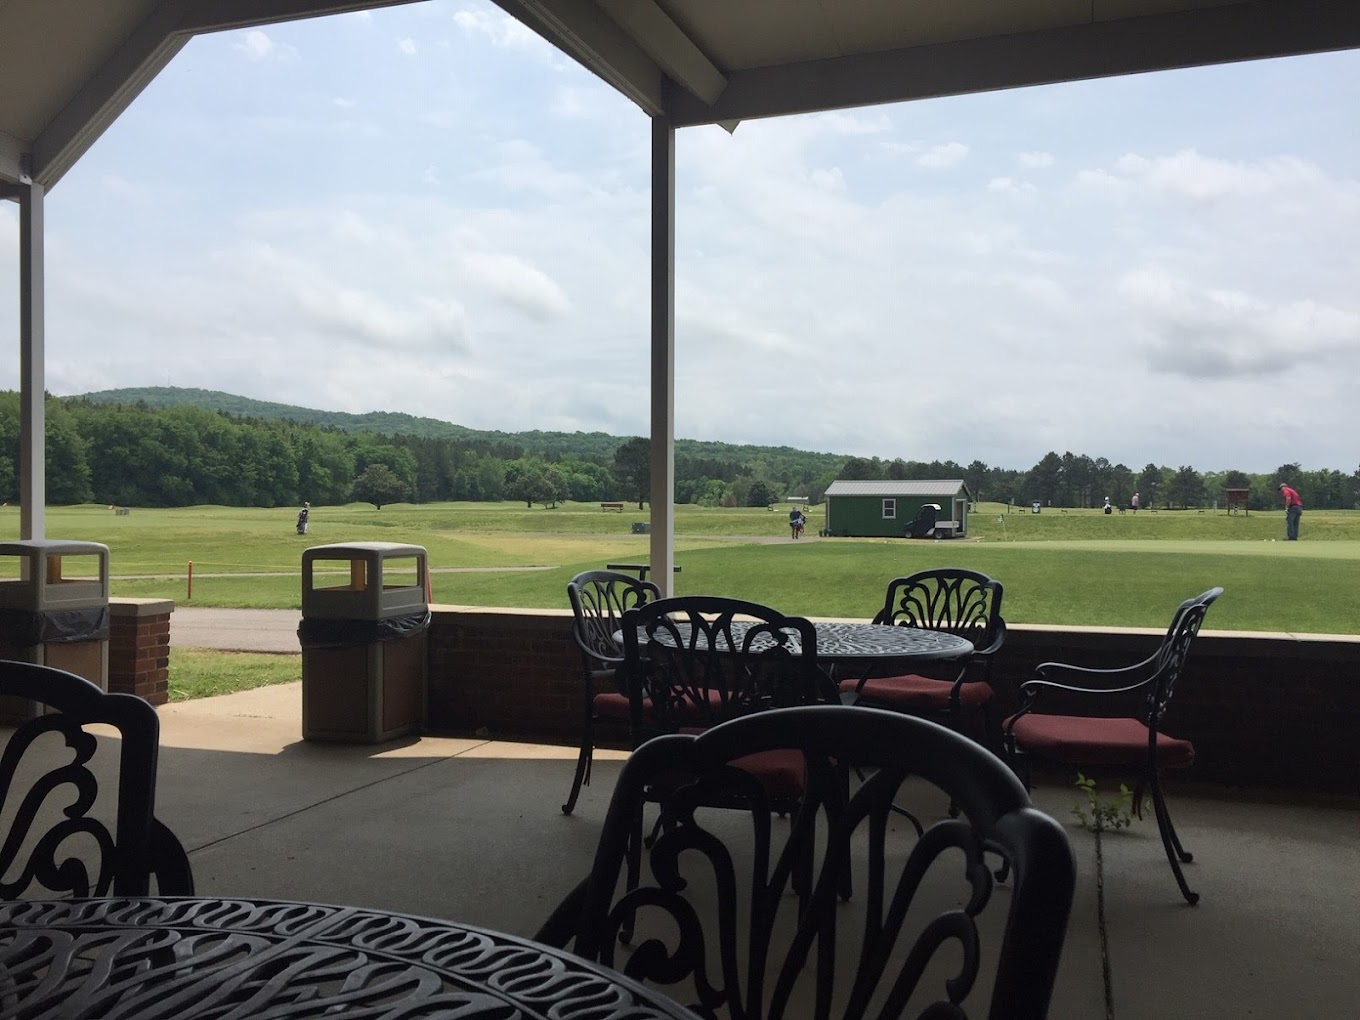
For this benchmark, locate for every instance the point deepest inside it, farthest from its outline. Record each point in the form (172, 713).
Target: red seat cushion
(781, 772)
(612, 705)
(1083, 741)
(912, 691)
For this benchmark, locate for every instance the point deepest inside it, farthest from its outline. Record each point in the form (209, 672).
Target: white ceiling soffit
(734, 60)
(1156, 42)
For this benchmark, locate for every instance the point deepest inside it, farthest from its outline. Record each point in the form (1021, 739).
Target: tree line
(141, 455)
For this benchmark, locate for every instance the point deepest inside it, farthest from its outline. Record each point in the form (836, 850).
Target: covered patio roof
(68, 69)
(71, 67)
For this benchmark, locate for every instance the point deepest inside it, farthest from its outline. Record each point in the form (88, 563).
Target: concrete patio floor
(472, 829)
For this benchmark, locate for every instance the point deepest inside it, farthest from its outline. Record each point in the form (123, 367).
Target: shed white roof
(919, 487)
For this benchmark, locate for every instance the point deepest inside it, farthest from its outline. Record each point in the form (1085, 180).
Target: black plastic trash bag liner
(315, 633)
(23, 628)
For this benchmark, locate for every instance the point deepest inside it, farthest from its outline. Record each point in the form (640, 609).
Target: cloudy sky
(429, 210)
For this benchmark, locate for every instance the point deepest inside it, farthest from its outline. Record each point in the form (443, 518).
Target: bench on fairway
(612, 506)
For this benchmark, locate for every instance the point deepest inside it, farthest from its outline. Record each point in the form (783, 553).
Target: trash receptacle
(54, 610)
(363, 634)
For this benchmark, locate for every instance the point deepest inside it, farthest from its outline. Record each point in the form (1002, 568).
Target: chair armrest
(1085, 678)
(998, 639)
(1115, 700)
(169, 863)
(1036, 686)
(593, 656)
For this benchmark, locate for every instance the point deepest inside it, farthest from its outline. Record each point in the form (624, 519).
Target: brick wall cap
(121, 607)
(485, 612)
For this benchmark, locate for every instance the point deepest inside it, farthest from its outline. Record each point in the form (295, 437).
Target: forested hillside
(181, 447)
(592, 445)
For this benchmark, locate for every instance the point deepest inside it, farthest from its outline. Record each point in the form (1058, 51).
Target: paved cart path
(235, 630)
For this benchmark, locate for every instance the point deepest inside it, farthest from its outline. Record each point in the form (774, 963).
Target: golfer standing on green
(1293, 510)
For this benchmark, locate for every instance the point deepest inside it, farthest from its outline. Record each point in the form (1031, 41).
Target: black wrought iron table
(862, 644)
(183, 958)
(866, 644)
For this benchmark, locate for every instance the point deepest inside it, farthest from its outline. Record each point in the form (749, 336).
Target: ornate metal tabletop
(856, 642)
(223, 958)
(850, 643)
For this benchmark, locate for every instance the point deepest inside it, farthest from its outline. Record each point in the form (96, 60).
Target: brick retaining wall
(1264, 710)
(139, 647)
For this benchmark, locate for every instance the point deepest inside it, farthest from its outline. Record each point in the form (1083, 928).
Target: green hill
(594, 445)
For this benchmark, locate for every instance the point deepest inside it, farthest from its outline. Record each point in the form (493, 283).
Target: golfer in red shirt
(1293, 510)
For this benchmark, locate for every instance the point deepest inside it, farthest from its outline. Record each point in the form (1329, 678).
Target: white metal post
(663, 356)
(32, 365)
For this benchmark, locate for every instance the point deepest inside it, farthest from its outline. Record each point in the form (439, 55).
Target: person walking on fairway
(1293, 510)
(304, 515)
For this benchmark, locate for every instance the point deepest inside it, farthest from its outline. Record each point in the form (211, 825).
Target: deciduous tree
(379, 485)
(633, 469)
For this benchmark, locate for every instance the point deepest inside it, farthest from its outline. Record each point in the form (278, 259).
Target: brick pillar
(139, 647)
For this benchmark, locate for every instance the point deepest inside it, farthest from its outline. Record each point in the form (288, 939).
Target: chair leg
(633, 853)
(1175, 853)
(583, 762)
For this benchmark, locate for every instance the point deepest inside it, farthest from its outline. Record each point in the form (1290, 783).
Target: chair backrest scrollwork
(961, 602)
(704, 659)
(741, 918)
(599, 598)
(64, 836)
(1169, 660)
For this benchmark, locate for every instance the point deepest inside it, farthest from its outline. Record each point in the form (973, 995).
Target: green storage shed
(884, 509)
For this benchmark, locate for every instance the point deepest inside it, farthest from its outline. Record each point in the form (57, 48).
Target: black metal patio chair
(961, 602)
(696, 661)
(724, 925)
(65, 834)
(599, 598)
(1110, 719)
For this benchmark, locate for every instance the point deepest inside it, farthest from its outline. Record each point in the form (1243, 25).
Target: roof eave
(1213, 35)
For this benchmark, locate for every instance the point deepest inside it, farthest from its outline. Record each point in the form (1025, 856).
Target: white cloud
(830, 179)
(120, 189)
(407, 46)
(1188, 174)
(1221, 334)
(1036, 160)
(942, 157)
(500, 28)
(1010, 186)
(258, 47)
(344, 104)
(849, 122)
(410, 324)
(517, 283)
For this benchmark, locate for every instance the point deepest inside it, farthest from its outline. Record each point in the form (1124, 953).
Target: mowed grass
(205, 673)
(1076, 568)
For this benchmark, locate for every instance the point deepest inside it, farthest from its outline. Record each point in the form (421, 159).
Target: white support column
(32, 363)
(663, 355)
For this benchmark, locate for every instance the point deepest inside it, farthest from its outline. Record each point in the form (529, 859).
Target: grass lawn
(1080, 567)
(203, 673)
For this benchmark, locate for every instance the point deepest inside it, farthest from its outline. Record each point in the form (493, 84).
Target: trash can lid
(340, 549)
(59, 546)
